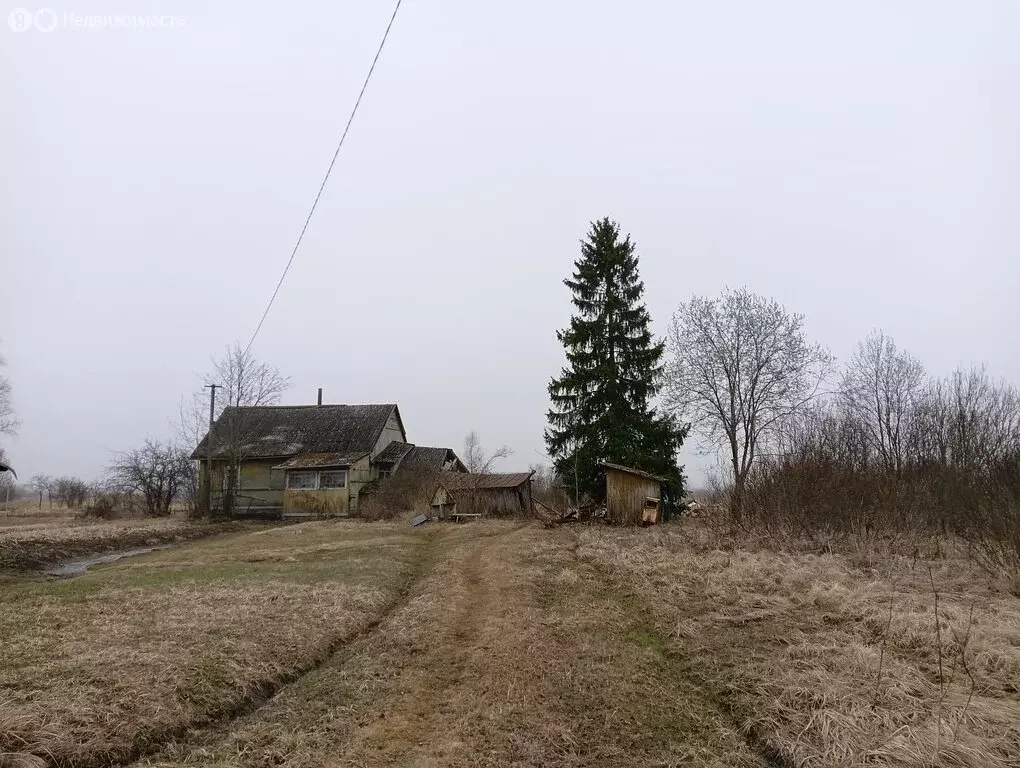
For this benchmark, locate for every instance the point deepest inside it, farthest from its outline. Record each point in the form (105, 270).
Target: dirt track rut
(509, 652)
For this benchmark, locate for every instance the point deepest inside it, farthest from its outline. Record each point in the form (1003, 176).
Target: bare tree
(881, 387)
(476, 459)
(190, 428)
(40, 484)
(70, 491)
(7, 480)
(8, 419)
(739, 366)
(156, 472)
(244, 382)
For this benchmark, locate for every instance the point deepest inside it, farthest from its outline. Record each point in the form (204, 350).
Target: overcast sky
(859, 161)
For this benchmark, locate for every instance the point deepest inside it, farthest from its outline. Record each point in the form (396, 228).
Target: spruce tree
(602, 401)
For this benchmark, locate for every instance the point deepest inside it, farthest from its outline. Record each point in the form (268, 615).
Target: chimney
(320, 396)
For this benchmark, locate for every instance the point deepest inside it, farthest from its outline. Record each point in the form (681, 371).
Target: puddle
(78, 566)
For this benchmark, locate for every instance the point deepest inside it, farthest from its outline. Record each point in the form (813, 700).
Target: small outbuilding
(460, 494)
(633, 497)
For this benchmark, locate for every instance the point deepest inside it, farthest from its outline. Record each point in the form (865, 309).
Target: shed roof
(393, 452)
(632, 471)
(466, 481)
(278, 431)
(321, 460)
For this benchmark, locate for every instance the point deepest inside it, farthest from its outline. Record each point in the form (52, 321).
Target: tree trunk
(737, 499)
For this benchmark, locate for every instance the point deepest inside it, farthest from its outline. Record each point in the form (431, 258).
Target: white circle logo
(19, 20)
(45, 20)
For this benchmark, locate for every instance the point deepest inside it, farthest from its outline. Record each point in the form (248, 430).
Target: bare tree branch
(740, 365)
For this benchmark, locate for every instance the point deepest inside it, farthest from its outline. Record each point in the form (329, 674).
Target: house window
(332, 480)
(301, 481)
(385, 472)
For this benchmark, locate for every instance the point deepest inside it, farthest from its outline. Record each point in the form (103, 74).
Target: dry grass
(28, 512)
(36, 544)
(792, 643)
(512, 646)
(510, 652)
(96, 669)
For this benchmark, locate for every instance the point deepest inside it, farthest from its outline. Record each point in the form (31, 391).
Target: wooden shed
(633, 497)
(461, 493)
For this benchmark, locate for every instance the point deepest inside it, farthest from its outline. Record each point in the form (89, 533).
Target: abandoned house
(309, 460)
(633, 497)
(460, 494)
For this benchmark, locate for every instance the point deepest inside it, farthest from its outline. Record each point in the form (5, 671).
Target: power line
(325, 178)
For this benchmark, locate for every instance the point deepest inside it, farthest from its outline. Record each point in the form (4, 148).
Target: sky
(858, 161)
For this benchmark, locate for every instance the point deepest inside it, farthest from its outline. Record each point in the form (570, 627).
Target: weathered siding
(626, 495)
(495, 502)
(392, 431)
(358, 476)
(443, 504)
(259, 484)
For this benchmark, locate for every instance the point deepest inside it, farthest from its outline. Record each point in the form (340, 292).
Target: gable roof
(465, 481)
(632, 471)
(278, 431)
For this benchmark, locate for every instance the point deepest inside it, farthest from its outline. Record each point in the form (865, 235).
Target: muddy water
(78, 566)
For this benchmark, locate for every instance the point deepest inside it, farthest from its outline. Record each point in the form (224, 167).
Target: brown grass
(513, 646)
(792, 643)
(510, 653)
(28, 512)
(99, 668)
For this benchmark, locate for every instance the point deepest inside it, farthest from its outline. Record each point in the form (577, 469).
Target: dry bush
(405, 494)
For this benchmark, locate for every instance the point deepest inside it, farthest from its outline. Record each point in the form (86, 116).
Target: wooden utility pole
(207, 485)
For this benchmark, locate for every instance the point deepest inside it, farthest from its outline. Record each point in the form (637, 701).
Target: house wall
(358, 476)
(626, 495)
(260, 485)
(392, 431)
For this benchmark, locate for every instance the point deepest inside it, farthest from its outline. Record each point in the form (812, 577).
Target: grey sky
(859, 161)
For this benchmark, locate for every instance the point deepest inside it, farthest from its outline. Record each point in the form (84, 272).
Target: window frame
(321, 487)
(291, 475)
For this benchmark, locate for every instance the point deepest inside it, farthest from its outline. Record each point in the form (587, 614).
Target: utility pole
(207, 485)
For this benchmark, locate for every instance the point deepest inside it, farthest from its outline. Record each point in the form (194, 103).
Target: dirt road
(508, 651)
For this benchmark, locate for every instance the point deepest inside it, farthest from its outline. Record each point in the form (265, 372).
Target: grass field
(506, 644)
(834, 659)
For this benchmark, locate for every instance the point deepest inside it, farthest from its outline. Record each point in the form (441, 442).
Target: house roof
(393, 452)
(465, 481)
(632, 471)
(321, 460)
(279, 431)
(423, 458)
